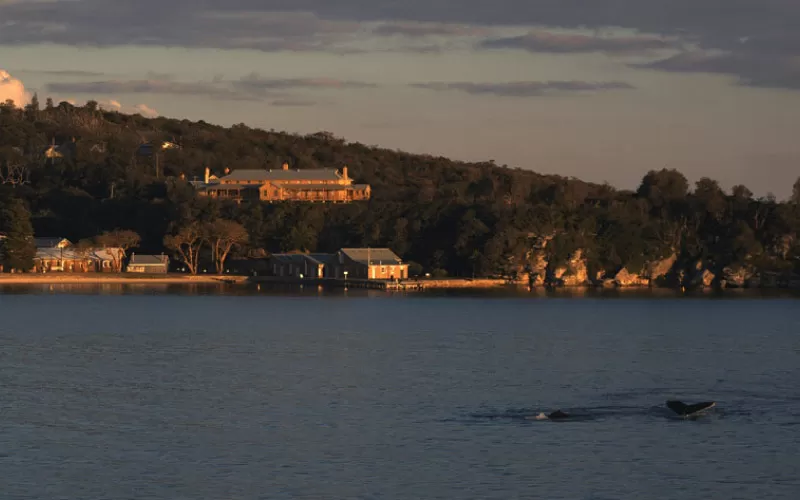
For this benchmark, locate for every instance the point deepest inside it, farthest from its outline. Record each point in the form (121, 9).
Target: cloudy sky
(602, 90)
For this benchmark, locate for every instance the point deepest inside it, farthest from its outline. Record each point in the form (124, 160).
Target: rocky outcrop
(625, 278)
(739, 277)
(538, 271)
(659, 269)
(575, 273)
(537, 259)
(652, 273)
(699, 277)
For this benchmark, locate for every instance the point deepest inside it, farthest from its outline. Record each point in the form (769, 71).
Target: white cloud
(115, 105)
(111, 105)
(146, 111)
(11, 88)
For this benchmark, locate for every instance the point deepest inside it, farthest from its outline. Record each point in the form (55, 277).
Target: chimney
(208, 174)
(286, 166)
(344, 172)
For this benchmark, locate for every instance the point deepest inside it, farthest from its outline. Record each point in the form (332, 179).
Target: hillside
(451, 217)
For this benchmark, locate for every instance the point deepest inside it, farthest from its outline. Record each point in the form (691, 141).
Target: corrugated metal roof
(145, 260)
(298, 258)
(48, 253)
(374, 255)
(322, 258)
(321, 174)
(229, 187)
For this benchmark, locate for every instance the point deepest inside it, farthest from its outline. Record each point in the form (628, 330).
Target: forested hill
(451, 217)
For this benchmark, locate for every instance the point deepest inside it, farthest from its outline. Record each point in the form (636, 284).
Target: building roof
(298, 258)
(54, 253)
(319, 174)
(148, 260)
(228, 187)
(323, 258)
(373, 255)
(51, 242)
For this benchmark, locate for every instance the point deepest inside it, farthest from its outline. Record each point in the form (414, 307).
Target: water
(154, 395)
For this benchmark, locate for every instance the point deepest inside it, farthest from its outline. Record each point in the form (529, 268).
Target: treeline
(447, 217)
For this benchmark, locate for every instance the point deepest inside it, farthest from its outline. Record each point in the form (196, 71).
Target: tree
(18, 248)
(710, 196)
(796, 192)
(48, 103)
(740, 192)
(662, 186)
(222, 235)
(14, 170)
(117, 243)
(186, 243)
(34, 105)
(32, 108)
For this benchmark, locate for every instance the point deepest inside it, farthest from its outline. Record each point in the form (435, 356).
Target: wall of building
(147, 268)
(72, 266)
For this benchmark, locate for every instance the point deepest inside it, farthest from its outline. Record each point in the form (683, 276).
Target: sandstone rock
(538, 259)
(707, 278)
(737, 278)
(575, 274)
(609, 283)
(661, 268)
(626, 278)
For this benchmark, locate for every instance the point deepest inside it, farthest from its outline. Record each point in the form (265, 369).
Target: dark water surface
(147, 395)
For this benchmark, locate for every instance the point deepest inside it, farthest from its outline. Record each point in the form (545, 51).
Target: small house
(148, 264)
(299, 264)
(71, 260)
(370, 263)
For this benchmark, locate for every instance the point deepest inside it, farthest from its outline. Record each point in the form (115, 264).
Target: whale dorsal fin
(682, 408)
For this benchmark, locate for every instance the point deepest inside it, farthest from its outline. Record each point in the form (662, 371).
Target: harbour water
(159, 393)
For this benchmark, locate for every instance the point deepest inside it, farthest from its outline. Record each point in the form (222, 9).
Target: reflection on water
(250, 289)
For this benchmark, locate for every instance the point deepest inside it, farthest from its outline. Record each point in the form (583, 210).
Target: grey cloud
(183, 23)
(269, 24)
(765, 28)
(293, 103)
(754, 70)
(525, 89)
(114, 87)
(65, 73)
(561, 43)
(249, 87)
(254, 83)
(420, 29)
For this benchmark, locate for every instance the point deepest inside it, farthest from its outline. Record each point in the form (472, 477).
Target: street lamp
(345, 280)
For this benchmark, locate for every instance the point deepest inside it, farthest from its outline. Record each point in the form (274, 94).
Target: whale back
(683, 409)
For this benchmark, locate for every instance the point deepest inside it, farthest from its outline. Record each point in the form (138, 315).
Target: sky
(601, 90)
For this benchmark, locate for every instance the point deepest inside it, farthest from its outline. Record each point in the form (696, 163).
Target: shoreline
(409, 285)
(121, 278)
